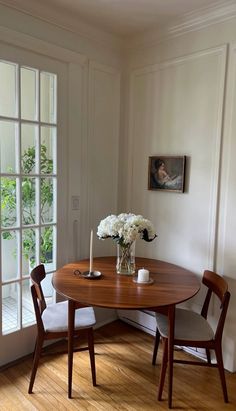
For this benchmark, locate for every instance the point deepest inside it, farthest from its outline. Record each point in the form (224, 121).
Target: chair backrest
(216, 285)
(37, 275)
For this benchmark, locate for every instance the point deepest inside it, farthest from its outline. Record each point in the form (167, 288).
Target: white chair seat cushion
(55, 317)
(188, 326)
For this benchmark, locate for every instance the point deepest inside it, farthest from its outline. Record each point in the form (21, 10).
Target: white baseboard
(104, 316)
(145, 321)
(100, 324)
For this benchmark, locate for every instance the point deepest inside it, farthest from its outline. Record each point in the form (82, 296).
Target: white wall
(104, 97)
(182, 102)
(92, 133)
(178, 99)
(176, 109)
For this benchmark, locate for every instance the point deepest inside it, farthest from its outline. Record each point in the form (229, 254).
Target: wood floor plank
(126, 379)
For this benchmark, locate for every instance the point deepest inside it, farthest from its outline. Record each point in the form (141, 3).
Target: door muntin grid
(28, 144)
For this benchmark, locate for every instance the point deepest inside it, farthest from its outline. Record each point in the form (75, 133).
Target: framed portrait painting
(166, 173)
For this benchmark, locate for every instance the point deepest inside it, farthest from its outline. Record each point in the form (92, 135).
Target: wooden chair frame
(218, 286)
(37, 275)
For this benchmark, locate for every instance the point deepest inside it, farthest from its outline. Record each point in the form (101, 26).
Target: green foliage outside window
(8, 205)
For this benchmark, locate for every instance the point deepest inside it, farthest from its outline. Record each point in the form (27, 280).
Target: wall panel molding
(153, 74)
(102, 145)
(226, 240)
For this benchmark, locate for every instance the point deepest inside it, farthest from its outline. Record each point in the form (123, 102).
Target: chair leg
(92, 356)
(220, 364)
(37, 352)
(208, 354)
(156, 345)
(163, 368)
(71, 328)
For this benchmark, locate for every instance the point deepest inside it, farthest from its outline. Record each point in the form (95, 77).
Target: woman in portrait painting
(162, 179)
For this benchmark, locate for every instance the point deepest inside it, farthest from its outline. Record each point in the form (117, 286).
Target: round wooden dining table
(171, 285)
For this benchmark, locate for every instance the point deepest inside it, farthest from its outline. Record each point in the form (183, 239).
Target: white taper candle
(91, 252)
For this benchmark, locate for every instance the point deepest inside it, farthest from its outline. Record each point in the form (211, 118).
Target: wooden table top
(172, 284)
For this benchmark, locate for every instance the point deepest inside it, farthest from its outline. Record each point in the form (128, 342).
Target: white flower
(126, 228)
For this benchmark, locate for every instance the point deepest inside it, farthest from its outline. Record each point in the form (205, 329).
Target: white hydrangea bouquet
(125, 229)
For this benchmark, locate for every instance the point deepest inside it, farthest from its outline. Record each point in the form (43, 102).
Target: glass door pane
(28, 180)
(48, 86)
(10, 308)
(29, 145)
(8, 146)
(29, 93)
(9, 89)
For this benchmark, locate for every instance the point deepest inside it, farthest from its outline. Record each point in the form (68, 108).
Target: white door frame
(76, 75)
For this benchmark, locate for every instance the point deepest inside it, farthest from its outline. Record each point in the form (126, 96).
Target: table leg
(71, 325)
(171, 318)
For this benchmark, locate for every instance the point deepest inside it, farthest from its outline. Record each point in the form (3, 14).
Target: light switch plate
(75, 202)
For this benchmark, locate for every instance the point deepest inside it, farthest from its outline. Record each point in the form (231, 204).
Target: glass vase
(125, 259)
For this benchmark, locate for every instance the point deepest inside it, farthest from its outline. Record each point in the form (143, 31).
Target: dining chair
(193, 330)
(52, 323)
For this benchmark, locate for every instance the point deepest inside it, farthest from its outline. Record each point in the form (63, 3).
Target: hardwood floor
(126, 379)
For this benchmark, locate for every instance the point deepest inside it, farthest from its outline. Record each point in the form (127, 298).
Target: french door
(33, 200)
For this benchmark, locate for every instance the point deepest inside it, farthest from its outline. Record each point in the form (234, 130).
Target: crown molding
(63, 20)
(12, 37)
(221, 11)
(193, 21)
